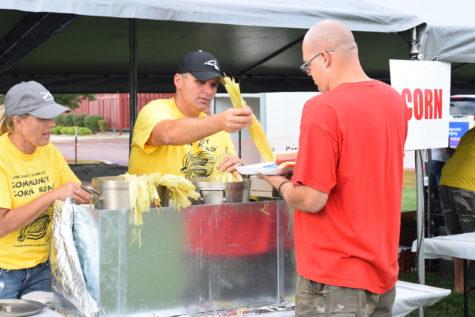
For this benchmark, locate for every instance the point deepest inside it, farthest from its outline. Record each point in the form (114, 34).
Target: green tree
(72, 100)
(69, 100)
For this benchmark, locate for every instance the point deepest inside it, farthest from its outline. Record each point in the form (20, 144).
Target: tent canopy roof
(83, 45)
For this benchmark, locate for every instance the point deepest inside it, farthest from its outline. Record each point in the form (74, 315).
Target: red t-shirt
(351, 147)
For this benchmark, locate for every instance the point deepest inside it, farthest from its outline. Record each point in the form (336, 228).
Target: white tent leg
(420, 219)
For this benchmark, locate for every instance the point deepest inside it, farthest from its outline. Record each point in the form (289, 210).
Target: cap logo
(47, 96)
(212, 62)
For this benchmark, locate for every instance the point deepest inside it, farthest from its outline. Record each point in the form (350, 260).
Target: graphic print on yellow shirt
(197, 159)
(38, 228)
(31, 185)
(23, 178)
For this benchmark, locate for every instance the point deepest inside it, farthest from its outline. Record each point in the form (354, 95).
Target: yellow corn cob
(220, 176)
(255, 129)
(236, 176)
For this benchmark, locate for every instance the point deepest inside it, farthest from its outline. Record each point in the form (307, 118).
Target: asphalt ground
(113, 148)
(106, 147)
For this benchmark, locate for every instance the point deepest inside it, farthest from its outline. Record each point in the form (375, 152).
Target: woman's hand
(74, 191)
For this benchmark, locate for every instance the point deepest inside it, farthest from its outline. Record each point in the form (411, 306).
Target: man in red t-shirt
(347, 183)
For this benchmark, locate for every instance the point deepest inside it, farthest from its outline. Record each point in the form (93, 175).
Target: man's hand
(233, 120)
(230, 163)
(301, 197)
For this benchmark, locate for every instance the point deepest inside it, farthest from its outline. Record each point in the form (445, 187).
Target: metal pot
(115, 193)
(220, 192)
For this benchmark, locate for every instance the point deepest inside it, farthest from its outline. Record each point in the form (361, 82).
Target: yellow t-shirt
(193, 160)
(24, 177)
(459, 170)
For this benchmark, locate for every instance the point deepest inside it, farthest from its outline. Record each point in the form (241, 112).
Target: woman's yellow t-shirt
(459, 170)
(24, 177)
(197, 159)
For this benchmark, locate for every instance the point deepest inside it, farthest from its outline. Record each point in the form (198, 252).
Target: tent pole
(428, 216)
(415, 55)
(132, 76)
(420, 214)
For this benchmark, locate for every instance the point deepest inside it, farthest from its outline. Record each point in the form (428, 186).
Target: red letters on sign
(423, 103)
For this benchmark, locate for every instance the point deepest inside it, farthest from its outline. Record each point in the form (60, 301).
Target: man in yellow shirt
(33, 174)
(179, 135)
(457, 195)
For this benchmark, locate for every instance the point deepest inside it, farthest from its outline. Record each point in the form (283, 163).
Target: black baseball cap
(202, 65)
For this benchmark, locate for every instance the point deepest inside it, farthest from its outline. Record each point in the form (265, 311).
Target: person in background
(179, 135)
(347, 182)
(439, 157)
(33, 174)
(457, 195)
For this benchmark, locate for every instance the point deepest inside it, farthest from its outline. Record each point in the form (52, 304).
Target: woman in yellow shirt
(457, 195)
(33, 174)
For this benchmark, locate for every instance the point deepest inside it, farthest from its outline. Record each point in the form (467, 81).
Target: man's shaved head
(330, 54)
(330, 34)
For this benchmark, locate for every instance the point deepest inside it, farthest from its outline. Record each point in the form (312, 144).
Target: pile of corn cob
(143, 192)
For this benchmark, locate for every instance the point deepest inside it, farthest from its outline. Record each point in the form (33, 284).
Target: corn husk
(255, 129)
(143, 192)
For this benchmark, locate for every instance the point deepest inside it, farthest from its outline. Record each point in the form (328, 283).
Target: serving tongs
(93, 192)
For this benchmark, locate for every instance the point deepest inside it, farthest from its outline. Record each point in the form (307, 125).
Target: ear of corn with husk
(181, 189)
(143, 192)
(255, 129)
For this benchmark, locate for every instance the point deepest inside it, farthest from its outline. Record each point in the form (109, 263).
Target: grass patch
(409, 190)
(451, 305)
(409, 179)
(409, 199)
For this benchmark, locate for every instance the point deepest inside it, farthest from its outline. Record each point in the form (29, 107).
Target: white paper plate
(266, 168)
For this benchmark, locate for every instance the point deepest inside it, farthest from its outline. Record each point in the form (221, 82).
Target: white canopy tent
(360, 15)
(450, 32)
(80, 45)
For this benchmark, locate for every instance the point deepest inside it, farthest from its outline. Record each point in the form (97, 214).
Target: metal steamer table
(206, 260)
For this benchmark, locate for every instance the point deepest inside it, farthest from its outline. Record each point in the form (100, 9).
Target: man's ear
(327, 59)
(178, 81)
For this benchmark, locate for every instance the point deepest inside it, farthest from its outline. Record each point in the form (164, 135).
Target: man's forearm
(304, 198)
(184, 131)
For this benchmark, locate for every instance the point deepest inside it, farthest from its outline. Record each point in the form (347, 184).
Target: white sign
(425, 86)
(283, 112)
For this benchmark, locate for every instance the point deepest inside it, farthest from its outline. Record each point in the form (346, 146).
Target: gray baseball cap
(32, 98)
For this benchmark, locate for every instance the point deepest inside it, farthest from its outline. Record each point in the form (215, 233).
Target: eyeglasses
(305, 67)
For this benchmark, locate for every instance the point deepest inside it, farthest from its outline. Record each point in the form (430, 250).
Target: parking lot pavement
(101, 136)
(107, 147)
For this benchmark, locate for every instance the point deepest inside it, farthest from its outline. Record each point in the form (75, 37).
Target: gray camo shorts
(458, 208)
(316, 299)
